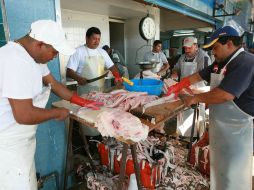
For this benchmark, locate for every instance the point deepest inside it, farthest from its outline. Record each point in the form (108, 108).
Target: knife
(97, 78)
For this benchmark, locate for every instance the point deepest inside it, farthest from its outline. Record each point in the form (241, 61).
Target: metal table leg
(88, 151)
(136, 166)
(192, 130)
(69, 144)
(122, 166)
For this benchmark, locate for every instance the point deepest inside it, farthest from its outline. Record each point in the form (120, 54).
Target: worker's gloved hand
(176, 88)
(118, 78)
(75, 99)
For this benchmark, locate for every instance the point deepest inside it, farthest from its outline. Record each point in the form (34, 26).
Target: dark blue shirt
(238, 79)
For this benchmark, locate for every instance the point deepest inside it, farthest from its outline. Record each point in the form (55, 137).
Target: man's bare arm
(25, 113)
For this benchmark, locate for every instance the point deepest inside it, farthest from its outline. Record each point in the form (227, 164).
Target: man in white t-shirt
(89, 62)
(158, 56)
(23, 72)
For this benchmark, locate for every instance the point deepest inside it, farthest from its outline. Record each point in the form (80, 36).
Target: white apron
(17, 149)
(230, 136)
(185, 118)
(94, 67)
(189, 68)
(158, 65)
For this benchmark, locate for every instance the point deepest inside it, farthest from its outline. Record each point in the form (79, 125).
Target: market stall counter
(153, 116)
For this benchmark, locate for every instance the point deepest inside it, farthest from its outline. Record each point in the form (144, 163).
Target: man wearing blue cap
(231, 106)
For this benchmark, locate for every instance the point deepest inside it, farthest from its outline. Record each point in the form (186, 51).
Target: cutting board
(158, 113)
(153, 116)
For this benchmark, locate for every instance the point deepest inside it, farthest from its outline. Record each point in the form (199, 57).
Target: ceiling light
(183, 31)
(187, 34)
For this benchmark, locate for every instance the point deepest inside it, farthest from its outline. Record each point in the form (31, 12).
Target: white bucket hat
(49, 32)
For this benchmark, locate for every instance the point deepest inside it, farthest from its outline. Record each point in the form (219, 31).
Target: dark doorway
(116, 31)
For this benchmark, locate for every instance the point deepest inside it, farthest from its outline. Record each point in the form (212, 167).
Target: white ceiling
(171, 20)
(125, 9)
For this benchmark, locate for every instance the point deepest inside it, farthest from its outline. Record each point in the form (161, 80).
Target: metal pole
(136, 166)
(5, 23)
(192, 130)
(88, 151)
(69, 137)
(122, 166)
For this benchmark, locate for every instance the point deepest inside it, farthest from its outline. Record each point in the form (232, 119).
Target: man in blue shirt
(231, 107)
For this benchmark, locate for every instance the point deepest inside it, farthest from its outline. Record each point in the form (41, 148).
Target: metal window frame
(5, 23)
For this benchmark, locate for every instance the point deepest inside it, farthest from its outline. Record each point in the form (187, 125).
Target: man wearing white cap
(193, 60)
(25, 84)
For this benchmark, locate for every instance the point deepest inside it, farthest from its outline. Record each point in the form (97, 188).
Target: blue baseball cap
(224, 31)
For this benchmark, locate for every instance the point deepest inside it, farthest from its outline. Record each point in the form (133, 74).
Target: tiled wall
(75, 25)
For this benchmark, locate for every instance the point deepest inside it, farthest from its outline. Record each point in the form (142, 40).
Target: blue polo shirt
(238, 79)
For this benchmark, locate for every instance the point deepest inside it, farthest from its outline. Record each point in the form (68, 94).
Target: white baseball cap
(189, 41)
(50, 32)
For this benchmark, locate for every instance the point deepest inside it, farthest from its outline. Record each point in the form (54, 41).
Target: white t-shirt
(159, 57)
(77, 60)
(20, 78)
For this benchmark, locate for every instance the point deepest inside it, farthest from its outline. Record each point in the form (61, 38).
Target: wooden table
(153, 117)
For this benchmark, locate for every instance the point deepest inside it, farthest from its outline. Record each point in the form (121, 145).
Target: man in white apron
(89, 62)
(193, 60)
(231, 104)
(158, 56)
(23, 71)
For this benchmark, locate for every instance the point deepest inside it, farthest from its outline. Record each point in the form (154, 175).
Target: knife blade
(97, 78)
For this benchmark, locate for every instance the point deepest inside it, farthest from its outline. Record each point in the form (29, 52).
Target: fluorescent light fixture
(205, 29)
(187, 34)
(183, 31)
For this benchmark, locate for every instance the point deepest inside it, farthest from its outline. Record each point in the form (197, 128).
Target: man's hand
(61, 113)
(81, 80)
(174, 76)
(118, 78)
(75, 99)
(184, 83)
(118, 82)
(161, 73)
(72, 74)
(189, 100)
